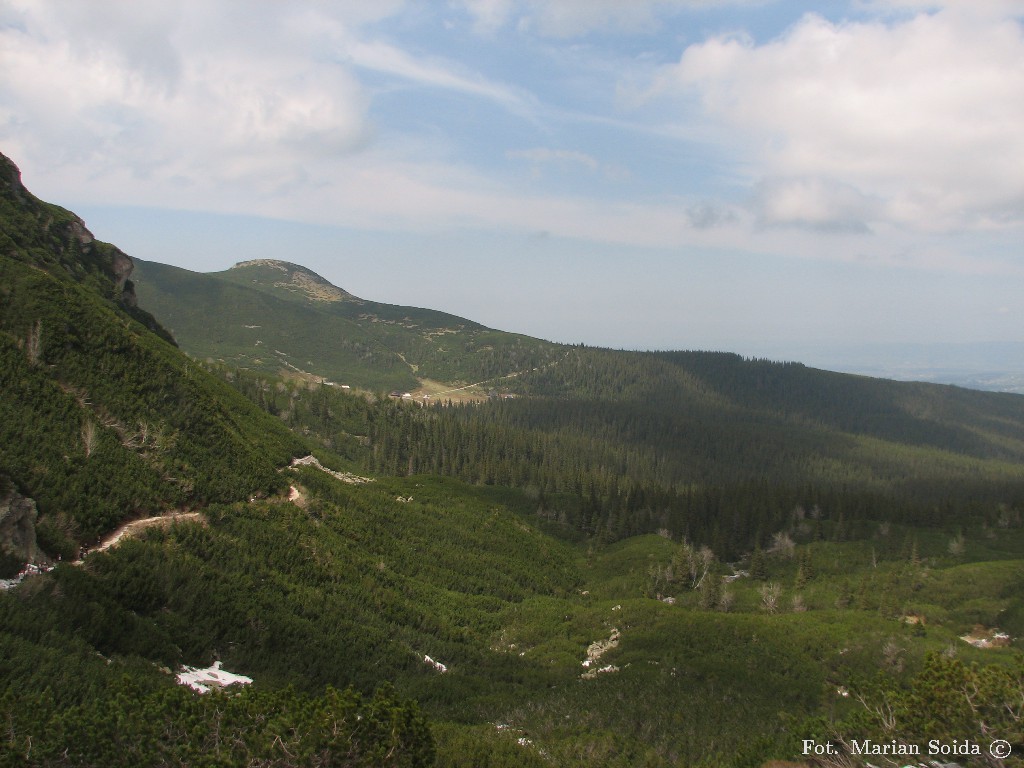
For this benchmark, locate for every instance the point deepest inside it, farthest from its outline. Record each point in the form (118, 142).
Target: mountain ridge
(302, 279)
(250, 317)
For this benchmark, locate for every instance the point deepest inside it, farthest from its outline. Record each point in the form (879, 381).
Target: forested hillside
(703, 445)
(637, 560)
(102, 417)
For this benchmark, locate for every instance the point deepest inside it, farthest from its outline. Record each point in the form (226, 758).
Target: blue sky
(763, 177)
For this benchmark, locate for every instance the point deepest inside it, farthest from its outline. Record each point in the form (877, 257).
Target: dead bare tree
(34, 343)
(89, 436)
(770, 594)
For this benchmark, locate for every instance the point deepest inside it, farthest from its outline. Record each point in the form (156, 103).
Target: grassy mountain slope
(273, 316)
(247, 327)
(982, 424)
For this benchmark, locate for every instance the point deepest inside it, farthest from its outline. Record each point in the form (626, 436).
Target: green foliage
(592, 470)
(131, 726)
(510, 541)
(102, 420)
(274, 316)
(947, 702)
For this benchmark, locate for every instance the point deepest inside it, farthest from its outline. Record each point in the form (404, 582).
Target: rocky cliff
(18, 526)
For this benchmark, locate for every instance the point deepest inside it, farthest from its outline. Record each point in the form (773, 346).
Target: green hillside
(640, 560)
(102, 418)
(614, 444)
(275, 316)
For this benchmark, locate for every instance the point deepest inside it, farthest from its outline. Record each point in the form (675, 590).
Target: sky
(763, 177)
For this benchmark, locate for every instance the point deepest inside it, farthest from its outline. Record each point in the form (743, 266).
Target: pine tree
(709, 592)
(758, 565)
(915, 558)
(805, 569)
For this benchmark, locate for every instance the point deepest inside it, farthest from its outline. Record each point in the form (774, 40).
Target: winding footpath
(135, 527)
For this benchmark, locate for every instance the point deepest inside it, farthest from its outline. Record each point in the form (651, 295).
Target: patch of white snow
(204, 680)
(435, 664)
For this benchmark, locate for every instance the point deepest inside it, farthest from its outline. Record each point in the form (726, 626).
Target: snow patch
(205, 680)
(435, 664)
(981, 637)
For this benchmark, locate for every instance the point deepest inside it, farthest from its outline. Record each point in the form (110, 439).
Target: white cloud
(813, 203)
(386, 58)
(489, 15)
(189, 95)
(915, 122)
(211, 106)
(185, 91)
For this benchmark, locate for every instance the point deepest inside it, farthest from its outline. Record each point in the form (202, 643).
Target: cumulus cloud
(914, 121)
(846, 128)
(216, 100)
(180, 90)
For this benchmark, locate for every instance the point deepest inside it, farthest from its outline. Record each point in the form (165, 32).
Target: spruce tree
(758, 565)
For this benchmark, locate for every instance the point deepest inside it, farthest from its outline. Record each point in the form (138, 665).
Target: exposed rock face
(121, 266)
(80, 232)
(128, 297)
(18, 525)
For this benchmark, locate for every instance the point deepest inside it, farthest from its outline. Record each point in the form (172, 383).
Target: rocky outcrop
(121, 266)
(81, 233)
(18, 525)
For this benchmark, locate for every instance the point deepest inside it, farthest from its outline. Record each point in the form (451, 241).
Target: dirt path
(499, 378)
(135, 527)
